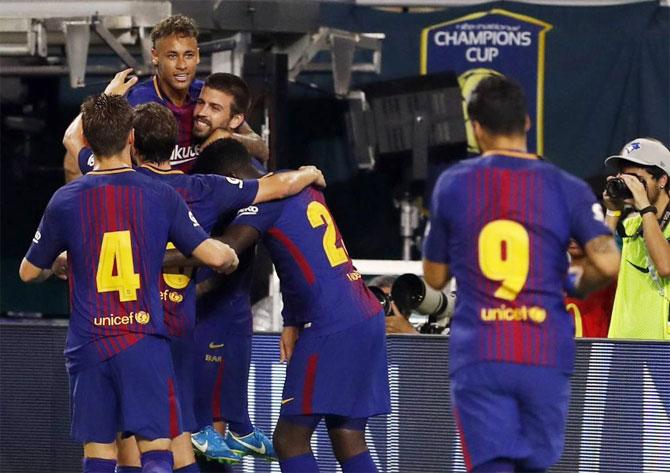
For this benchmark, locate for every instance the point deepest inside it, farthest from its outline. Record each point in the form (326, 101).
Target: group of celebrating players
(155, 372)
(150, 381)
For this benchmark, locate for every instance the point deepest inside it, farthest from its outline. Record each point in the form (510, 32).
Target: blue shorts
(221, 375)
(343, 373)
(133, 392)
(505, 410)
(183, 357)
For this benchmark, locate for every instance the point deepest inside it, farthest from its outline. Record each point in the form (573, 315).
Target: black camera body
(617, 189)
(383, 298)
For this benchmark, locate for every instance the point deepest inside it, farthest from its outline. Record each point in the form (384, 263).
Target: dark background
(607, 82)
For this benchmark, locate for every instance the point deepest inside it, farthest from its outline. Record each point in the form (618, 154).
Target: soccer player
(223, 341)
(333, 336)
(114, 224)
(501, 224)
(210, 198)
(175, 55)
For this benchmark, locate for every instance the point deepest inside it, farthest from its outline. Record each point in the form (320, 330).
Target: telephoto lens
(617, 189)
(411, 293)
(383, 298)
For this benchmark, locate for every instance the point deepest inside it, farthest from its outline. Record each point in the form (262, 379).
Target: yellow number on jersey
(318, 215)
(504, 255)
(117, 252)
(173, 279)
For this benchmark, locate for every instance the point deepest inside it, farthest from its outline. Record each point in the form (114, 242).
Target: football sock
(301, 464)
(157, 461)
(128, 469)
(192, 468)
(361, 463)
(98, 465)
(240, 429)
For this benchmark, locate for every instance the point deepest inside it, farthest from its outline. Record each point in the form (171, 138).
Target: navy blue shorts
(221, 375)
(343, 373)
(183, 357)
(505, 410)
(133, 392)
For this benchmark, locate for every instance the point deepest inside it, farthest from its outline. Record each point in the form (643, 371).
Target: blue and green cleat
(211, 444)
(255, 443)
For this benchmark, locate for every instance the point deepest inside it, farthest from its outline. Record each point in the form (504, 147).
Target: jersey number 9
(504, 255)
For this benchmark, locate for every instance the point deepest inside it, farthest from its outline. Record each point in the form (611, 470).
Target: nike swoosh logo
(639, 268)
(286, 401)
(214, 346)
(260, 451)
(202, 447)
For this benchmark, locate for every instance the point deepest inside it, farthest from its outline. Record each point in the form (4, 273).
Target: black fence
(619, 418)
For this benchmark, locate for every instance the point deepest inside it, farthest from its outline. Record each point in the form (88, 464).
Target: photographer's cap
(645, 151)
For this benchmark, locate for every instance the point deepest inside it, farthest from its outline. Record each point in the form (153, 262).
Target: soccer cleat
(255, 443)
(210, 443)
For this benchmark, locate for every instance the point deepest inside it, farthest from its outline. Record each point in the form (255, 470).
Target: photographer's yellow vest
(642, 301)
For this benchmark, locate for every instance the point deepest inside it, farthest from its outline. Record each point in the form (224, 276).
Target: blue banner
(496, 42)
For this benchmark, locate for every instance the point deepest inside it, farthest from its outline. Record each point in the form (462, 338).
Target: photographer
(642, 301)
(396, 321)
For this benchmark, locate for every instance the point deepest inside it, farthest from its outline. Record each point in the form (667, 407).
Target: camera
(383, 298)
(617, 189)
(411, 293)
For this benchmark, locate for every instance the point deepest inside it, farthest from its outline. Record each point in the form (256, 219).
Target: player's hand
(232, 261)
(218, 134)
(640, 198)
(121, 83)
(289, 336)
(59, 266)
(611, 203)
(319, 180)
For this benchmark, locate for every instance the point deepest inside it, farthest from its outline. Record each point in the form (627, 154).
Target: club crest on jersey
(251, 210)
(36, 238)
(91, 160)
(193, 219)
(234, 181)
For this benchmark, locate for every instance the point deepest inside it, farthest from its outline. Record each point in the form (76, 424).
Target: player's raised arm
(252, 142)
(217, 255)
(435, 274)
(286, 184)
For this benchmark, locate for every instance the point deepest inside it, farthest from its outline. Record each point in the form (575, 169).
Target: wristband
(647, 209)
(613, 213)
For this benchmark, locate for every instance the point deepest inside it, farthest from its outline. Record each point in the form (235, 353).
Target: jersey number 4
(318, 215)
(116, 270)
(504, 255)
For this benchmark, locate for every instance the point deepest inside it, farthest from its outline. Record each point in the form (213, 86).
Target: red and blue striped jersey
(502, 222)
(186, 151)
(319, 284)
(210, 198)
(115, 225)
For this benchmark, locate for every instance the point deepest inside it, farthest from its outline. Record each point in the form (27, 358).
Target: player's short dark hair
(181, 25)
(233, 86)
(107, 121)
(224, 157)
(155, 132)
(499, 105)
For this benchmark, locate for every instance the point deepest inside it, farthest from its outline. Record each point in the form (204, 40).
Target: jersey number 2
(318, 215)
(116, 253)
(504, 255)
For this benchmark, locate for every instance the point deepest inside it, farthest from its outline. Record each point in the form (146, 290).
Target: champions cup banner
(495, 42)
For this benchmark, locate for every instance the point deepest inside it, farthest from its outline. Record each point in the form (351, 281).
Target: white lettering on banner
(594, 407)
(481, 54)
(654, 437)
(483, 38)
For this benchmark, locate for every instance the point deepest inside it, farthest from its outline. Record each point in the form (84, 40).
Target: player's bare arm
(599, 268)
(217, 255)
(435, 274)
(73, 139)
(30, 273)
(252, 142)
(289, 337)
(286, 184)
